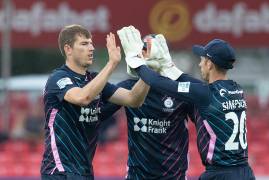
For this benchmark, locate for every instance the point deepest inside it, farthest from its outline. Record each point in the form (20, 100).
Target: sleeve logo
(63, 82)
(183, 87)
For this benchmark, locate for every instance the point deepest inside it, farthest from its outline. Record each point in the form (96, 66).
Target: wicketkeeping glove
(160, 52)
(132, 46)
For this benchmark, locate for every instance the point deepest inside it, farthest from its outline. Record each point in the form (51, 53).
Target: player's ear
(209, 64)
(67, 50)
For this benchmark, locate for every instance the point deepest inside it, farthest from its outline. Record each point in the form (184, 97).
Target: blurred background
(29, 52)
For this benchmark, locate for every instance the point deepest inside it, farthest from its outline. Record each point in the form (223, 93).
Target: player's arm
(189, 89)
(110, 108)
(132, 98)
(132, 46)
(83, 96)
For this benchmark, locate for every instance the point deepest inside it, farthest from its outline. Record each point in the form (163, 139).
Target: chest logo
(146, 125)
(168, 103)
(89, 114)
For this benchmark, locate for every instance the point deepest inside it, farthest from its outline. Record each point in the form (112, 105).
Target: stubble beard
(82, 65)
(204, 76)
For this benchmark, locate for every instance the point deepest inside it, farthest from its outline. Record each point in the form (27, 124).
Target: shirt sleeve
(185, 88)
(59, 83)
(108, 91)
(186, 77)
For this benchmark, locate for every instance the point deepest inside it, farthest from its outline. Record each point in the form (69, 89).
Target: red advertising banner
(36, 23)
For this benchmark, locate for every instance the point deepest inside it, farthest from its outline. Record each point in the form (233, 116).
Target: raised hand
(131, 41)
(159, 52)
(113, 50)
(132, 46)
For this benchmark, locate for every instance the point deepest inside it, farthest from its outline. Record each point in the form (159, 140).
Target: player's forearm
(193, 92)
(131, 98)
(139, 93)
(156, 81)
(92, 89)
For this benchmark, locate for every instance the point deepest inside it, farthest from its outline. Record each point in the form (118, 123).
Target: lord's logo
(168, 105)
(168, 102)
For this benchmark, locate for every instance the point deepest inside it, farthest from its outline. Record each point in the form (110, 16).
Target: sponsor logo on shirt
(89, 115)
(63, 82)
(146, 125)
(222, 92)
(183, 87)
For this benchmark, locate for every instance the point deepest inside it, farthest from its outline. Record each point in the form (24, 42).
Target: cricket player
(219, 107)
(72, 99)
(157, 131)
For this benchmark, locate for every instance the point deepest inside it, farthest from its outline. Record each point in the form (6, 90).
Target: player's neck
(76, 68)
(214, 76)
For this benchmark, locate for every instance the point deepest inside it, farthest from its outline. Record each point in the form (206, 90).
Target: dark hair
(68, 36)
(221, 69)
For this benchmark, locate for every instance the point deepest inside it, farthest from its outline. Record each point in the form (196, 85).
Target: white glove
(151, 63)
(160, 52)
(132, 46)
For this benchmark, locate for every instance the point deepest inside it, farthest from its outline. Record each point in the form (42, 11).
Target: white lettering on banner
(238, 20)
(38, 19)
